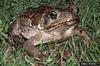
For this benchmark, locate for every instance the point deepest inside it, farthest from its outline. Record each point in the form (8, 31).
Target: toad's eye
(53, 15)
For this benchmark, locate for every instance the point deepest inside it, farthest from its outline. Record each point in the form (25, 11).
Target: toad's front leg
(42, 37)
(82, 33)
(29, 46)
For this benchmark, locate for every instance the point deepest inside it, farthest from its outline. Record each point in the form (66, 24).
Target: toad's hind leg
(82, 33)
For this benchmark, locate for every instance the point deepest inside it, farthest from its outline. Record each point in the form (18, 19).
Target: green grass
(89, 13)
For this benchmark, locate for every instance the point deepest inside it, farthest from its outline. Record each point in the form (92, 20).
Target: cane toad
(43, 25)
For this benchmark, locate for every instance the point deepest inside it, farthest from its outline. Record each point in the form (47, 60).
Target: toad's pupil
(53, 15)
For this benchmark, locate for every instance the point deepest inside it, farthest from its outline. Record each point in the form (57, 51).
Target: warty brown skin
(43, 25)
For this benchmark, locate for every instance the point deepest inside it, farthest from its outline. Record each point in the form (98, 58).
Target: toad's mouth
(66, 23)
